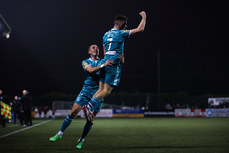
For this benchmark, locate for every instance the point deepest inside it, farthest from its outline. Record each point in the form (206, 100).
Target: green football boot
(55, 137)
(79, 144)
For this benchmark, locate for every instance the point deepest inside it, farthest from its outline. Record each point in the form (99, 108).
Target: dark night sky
(49, 40)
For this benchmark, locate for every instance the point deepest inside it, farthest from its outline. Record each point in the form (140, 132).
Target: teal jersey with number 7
(113, 41)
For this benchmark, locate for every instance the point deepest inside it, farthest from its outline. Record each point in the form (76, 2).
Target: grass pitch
(127, 135)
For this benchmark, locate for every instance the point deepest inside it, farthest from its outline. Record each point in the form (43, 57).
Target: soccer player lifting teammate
(113, 44)
(91, 68)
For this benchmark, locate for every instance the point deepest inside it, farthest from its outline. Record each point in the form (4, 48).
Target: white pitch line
(2, 136)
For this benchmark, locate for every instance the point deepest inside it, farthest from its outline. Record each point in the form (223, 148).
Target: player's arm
(91, 69)
(141, 25)
(104, 50)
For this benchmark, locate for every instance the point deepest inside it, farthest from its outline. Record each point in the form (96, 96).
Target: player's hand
(143, 14)
(89, 66)
(109, 62)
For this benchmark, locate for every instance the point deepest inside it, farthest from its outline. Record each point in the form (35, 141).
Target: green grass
(128, 135)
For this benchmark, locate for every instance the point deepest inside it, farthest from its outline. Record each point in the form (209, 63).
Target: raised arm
(141, 25)
(91, 69)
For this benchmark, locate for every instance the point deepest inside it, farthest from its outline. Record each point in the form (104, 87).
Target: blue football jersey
(113, 41)
(92, 79)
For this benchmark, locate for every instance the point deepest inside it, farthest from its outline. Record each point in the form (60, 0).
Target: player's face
(94, 50)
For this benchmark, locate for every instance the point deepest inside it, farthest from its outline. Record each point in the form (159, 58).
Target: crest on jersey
(85, 64)
(127, 31)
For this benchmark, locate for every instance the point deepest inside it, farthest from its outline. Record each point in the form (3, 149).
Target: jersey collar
(95, 60)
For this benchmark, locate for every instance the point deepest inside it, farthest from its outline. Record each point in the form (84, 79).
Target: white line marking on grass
(11, 133)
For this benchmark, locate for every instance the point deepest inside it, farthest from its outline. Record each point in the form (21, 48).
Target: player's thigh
(75, 109)
(101, 86)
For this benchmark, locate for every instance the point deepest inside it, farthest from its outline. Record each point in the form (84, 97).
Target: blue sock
(86, 129)
(93, 102)
(66, 123)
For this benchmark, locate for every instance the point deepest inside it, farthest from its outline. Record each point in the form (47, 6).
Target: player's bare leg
(87, 112)
(75, 110)
(101, 87)
(107, 89)
(101, 94)
(67, 121)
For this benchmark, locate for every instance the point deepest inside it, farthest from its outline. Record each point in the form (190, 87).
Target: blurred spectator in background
(45, 109)
(53, 113)
(21, 111)
(40, 111)
(16, 109)
(1, 95)
(13, 110)
(168, 107)
(27, 106)
(36, 111)
(2, 118)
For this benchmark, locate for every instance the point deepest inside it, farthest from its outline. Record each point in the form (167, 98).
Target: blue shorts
(83, 98)
(111, 74)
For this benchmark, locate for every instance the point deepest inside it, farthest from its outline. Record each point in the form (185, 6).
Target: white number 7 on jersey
(109, 39)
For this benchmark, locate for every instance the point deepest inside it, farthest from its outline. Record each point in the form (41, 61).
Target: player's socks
(60, 133)
(88, 108)
(66, 123)
(86, 129)
(93, 102)
(87, 113)
(55, 137)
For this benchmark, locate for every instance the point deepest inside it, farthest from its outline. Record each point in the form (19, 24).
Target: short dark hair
(90, 45)
(120, 19)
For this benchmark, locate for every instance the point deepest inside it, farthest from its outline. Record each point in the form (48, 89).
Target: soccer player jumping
(113, 45)
(91, 68)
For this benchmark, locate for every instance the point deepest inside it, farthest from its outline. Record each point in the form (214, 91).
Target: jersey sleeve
(125, 33)
(85, 64)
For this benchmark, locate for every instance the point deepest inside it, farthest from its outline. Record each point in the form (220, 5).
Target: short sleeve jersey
(113, 40)
(92, 79)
